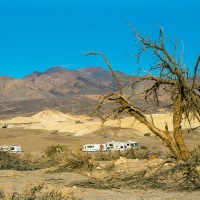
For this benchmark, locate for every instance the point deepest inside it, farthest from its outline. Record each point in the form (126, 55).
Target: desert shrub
(35, 162)
(56, 150)
(195, 155)
(147, 134)
(1, 194)
(78, 122)
(15, 162)
(144, 153)
(57, 194)
(106, 156)
(136, 153)
(33, 187)
(20, 162)
(143, 147)
(78, 161)
(66, 159)
(114, 155)
(38, 190)
(56, 154)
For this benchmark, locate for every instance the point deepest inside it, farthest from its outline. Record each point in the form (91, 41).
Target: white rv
(94, 147)
(10, 148)
(116, 146)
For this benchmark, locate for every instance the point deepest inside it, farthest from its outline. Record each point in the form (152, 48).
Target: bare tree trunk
(182, 150)
(174, 143)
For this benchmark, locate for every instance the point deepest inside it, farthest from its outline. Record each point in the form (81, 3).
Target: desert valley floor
(37, 132)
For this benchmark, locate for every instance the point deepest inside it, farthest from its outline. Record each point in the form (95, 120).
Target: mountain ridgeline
(74, 91)
(57, 82)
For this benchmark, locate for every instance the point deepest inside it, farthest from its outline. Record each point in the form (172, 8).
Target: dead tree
(173, 78)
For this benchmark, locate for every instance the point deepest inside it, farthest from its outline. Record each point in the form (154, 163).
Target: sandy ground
(17, 181)
(37, 132)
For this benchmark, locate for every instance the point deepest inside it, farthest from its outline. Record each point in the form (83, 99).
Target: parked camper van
(10, 148)
(116, 146)
(94, 147)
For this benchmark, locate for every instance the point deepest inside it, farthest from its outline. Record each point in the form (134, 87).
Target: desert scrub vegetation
(63, 158)
(165, 174)
(38, 190)
(142, 153)
(160, 172)
(20, 162)
(66, 160)
(56, 154)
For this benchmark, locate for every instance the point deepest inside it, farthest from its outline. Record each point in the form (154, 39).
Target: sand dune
(81, 125)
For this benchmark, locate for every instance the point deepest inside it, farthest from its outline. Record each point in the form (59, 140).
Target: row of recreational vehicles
(110, 146)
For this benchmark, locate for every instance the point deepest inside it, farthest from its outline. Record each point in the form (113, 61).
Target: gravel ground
(92, 194)
(15, 180)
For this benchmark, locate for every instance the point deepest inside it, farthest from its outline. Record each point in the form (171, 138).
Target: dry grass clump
(106, 156)
(79, 162)
(1, 194)
(66, 159)
(38, 190)
(13, 161)
(137, 153)
(129, 154)
(57, 154)
(22, 162)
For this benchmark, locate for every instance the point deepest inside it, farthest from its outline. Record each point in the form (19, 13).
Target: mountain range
(74, 91)
(56, 82)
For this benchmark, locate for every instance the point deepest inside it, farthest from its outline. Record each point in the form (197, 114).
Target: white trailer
(116, 146)
(94, 147)
(10, 148)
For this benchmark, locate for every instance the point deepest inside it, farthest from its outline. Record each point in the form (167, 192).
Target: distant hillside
(58, 88)
(57, 82)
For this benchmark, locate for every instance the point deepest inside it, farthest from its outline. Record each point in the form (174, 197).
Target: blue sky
(38, 34)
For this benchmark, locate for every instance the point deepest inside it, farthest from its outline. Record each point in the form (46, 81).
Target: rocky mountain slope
(74, 91)
(56, 82)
